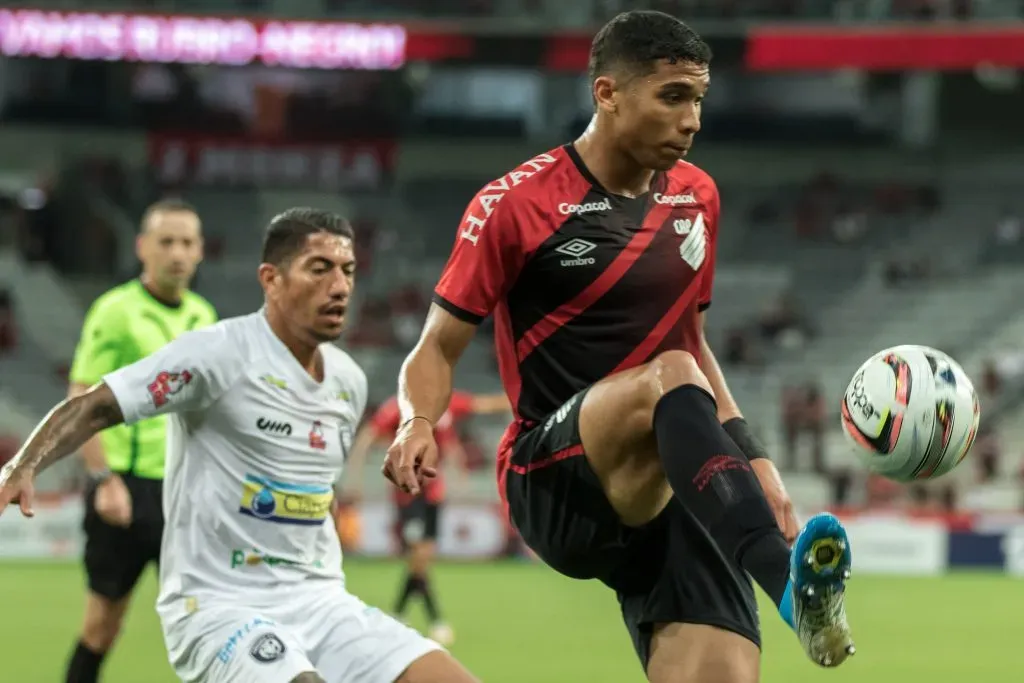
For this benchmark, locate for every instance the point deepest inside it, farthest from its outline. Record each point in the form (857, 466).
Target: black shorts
(417, 521)
(114, 556)
(668, 571)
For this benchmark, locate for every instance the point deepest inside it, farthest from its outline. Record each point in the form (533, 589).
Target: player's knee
(308, 677)
(99, 633)
(671, 369)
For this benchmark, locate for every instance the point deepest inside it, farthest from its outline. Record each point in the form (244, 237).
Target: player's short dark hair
(634, 41)
(287, 232)
(168, 204)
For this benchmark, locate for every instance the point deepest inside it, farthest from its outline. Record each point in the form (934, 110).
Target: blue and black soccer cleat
(819, 568)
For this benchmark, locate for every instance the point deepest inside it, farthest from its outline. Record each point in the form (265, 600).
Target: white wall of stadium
(889, 543)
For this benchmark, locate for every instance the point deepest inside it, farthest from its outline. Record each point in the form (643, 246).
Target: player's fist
(113, 502)
(413, 455)
(16, 487)
(778, 497)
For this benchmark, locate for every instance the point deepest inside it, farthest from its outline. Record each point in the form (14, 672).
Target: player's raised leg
(652, 432)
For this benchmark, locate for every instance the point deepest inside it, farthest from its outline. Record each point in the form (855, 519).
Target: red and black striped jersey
(582, 283)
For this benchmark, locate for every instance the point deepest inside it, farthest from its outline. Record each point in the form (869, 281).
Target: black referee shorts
(668, 571)
(115, 557)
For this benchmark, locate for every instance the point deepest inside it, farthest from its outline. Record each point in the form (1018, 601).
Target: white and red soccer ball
(911, 412)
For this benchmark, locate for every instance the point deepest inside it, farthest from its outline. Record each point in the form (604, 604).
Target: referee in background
(123, 514)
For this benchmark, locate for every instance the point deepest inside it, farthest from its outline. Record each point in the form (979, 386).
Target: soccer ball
(912, 413)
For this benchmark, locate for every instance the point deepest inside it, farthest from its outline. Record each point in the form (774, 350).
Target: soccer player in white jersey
(263, 411)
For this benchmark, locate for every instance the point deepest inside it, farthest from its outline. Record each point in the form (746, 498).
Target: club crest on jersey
(693, 248)
(316, 436)
(166, 384)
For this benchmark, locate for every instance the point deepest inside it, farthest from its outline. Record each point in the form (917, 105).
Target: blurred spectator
(739, 348)
(991, 382)
(804, 414)
(408, 308)
(8, 329)
(849, 226)
(986, 455)
(784, 324)
(900, 272)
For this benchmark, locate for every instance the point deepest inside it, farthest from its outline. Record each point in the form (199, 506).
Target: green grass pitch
(518, 622)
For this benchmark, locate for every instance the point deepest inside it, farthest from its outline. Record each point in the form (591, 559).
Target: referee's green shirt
(126, 324)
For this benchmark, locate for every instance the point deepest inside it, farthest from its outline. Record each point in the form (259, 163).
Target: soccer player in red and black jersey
(628, 460)
(418, 514)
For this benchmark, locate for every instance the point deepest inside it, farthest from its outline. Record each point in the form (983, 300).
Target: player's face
(171, 248)
(658, 115)
(314, 292)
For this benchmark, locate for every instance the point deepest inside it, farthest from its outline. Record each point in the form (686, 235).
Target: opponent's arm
(92, 450)
(99, 352)
(424, 389)
(68, 426)
(425, 381)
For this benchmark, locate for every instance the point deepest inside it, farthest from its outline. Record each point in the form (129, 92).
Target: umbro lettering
(675, 199)
(579, 209)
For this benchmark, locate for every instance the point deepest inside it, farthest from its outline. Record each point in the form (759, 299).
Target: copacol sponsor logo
(577, 248)
(589, 207)
(274, 427)
(675, 199)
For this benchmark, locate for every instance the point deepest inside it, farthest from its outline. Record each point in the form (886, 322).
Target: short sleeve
(486, 259)
(708, 278)
(386, 418)
(190, 373)
(101, 347)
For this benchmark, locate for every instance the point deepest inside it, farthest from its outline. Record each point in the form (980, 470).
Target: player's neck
(168, 296)
(306, 353)
(617, 172)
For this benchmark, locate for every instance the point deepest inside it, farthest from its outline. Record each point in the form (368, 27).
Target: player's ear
(268, 275)
(605, 94)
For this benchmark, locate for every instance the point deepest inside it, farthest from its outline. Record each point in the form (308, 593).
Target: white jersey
(254, 447)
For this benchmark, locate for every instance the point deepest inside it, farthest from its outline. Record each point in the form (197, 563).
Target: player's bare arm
(69, 425)
(424, 390)
(731, 417)
(113, 501)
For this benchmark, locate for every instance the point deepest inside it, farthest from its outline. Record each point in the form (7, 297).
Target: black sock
(411, 586)
(433, 614)
(713, 480)
(84, 666)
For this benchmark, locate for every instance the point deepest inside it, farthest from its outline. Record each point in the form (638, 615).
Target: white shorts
(332, 633)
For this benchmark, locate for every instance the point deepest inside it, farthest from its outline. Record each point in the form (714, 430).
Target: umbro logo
(577, 248)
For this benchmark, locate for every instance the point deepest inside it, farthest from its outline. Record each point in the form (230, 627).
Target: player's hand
(16, 487)
(113, 502)
(778, 498)
(412, 457)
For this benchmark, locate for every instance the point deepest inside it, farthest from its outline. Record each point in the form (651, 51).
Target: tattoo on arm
(69, 425)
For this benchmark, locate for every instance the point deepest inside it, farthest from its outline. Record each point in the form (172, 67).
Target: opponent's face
(171, 248)
(312, 292)
(656, 116)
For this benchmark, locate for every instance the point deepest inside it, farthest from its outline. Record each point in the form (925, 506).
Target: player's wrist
(739, 430)
(418, 420)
